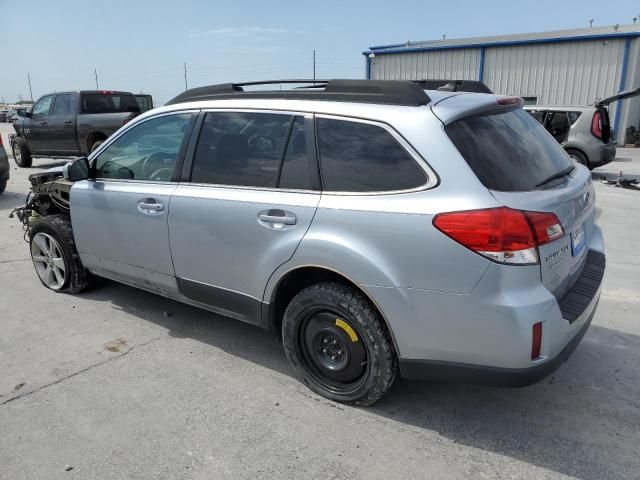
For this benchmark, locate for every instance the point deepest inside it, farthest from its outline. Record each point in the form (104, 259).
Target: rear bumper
(606, 154)
(562, 333)
(479, 375)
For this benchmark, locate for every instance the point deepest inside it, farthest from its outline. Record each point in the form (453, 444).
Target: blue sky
(141, 45)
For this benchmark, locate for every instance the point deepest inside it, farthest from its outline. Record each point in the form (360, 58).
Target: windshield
(508, 151)
(109, 103)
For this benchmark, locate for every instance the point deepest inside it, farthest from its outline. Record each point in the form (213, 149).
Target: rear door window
(508, 151)
(63, 104)
(109, 103)
(241, 148)
(361, 157)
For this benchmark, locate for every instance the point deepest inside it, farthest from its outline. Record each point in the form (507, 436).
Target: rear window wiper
(555, 176)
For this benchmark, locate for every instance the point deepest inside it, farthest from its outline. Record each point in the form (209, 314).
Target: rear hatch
(526, 169)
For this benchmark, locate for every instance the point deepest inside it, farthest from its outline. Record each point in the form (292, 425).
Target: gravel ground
(118, 383)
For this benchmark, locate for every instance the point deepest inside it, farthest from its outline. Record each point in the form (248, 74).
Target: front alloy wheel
(48, 260)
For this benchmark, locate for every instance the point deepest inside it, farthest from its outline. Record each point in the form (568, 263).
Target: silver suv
(377, 227)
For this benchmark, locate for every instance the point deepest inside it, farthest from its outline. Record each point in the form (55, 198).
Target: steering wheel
(162, 174)
(154, 163)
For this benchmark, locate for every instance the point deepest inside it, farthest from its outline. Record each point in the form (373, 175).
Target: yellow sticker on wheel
(347, 328)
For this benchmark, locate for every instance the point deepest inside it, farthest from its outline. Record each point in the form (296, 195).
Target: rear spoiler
(618, 96)
(474, 86)
(456, 107)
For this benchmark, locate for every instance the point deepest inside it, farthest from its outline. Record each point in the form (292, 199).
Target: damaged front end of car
(49, 195)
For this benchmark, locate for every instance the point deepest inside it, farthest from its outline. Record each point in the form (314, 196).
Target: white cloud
(238, 31)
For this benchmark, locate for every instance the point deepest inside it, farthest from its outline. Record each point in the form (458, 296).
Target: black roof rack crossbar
(385, 92)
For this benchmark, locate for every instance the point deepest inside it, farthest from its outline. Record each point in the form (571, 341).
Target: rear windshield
(508, 151)
(109, 103)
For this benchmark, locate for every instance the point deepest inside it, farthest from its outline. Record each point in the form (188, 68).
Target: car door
(36, 127)
(62, 130)
(251, 192)
(120, 216)
(557, 123)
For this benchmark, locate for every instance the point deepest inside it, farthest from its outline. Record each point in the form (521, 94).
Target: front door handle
(150, 206)
(277, 217)
(44, 124)
(68, 122)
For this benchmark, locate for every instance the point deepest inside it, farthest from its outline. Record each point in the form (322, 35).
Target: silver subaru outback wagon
(379, 228)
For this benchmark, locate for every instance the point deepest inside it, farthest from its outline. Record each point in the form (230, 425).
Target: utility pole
(95, 74)
(314, 64)
(186, 86)
(30, 92)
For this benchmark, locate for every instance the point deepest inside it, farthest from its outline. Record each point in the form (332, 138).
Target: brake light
(501, 234)
(509, 100)
(0, 139)
(107, 92)
(536, 340)
(596, 126)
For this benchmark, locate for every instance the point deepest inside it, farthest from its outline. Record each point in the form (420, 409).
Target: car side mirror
(76, 170)
(24, 113)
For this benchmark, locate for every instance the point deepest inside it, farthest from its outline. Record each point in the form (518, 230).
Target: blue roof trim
(580, 38)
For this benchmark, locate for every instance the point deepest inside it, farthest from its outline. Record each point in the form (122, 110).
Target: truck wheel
(21, 153)
(55, 257)
(579, 157)
(3, 185)
(96, 144)
(338, 345)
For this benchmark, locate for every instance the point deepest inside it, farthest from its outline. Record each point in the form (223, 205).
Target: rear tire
(579, 157)
(338, 344)
(55, 256)
(21, 153)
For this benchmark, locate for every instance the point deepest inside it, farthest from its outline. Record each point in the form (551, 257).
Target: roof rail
(385, 92)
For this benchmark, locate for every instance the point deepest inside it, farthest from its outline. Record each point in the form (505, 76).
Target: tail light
(0, 140)
(536, 340)
(501, 234)
(596, 125)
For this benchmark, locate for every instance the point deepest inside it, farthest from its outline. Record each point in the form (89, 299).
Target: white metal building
(565, 67)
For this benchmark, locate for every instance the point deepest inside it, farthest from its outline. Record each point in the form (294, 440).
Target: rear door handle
(44, 123)
(277, 216)
(68, 122)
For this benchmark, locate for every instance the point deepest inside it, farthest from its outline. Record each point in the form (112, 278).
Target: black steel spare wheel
(338, 344)
(332, 350)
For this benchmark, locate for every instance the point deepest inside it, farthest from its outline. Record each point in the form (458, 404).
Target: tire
(579, 157)
(53, 250)
(96, 144)
(3, 185)
(21, 153)
(342, 319)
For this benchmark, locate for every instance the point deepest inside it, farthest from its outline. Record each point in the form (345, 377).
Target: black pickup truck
(69, 124)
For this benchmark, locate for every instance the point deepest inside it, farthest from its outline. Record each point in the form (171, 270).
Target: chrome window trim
(432, 178)
(94, 155)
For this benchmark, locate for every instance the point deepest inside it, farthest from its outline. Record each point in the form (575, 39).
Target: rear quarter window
(360, 157)
(508, 151)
